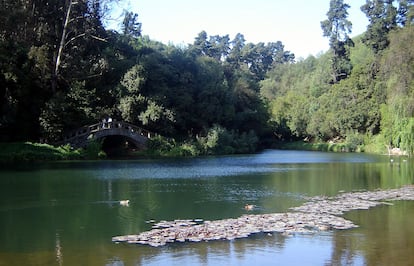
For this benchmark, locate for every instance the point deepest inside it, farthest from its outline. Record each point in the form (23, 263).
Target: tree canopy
(337, 27)
(61, 69)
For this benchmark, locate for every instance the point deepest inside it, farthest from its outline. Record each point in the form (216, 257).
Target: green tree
(130, 25)
(213, 98)
(337, 27)
(237, 44)
(201, 45)
(382, 16)
(219, 47)
(131, 103)
(398, 75)
(260, 58)
(292, 94)
(77, 107)
(55, 45)
(405, 16)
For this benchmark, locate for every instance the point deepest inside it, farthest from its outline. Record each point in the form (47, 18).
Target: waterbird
(124, 202)
(248, 207)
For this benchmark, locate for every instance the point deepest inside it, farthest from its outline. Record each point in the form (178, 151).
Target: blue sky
(296, 23)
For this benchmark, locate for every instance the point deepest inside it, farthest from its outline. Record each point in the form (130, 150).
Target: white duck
(124, 202)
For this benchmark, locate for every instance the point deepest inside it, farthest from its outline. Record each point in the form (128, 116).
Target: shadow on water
(66, 212)
(385, 236)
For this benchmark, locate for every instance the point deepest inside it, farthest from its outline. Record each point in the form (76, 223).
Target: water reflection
(262, 249)
(58, 249)
(66, 213)
(385, 235)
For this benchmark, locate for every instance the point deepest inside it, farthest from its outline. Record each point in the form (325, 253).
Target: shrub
(221, 141)
(354, 141)
(94, 150)
(29, 151)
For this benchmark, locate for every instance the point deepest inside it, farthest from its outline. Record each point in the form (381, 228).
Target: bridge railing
(86, 131)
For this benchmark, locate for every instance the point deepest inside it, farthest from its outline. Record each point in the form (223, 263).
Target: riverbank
(317, 214)
(28, 151)
(318, 146)
(373, 145)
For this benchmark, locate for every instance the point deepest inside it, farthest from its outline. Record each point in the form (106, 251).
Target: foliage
(160, 146)
(61, 69)
(46, 47)
(27, 151)
(382, 16)
(93, 150)
(217, 141)
(398, 73)
(337, 27)
(354, 141)
(369, 110)
(130, 25)
(405, 12)
(75, 104)
(375, 144)
(221, 141)
(314, 146)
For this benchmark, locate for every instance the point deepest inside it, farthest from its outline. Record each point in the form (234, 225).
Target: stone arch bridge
(84, 135)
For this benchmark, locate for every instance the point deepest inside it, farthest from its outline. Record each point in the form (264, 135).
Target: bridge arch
(84, 135)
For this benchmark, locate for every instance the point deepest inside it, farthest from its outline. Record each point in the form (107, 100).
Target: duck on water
(124, 203)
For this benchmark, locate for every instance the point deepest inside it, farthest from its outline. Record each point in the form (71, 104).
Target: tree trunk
(61, 46)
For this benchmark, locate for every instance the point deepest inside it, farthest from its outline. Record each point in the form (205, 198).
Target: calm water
(66, 213)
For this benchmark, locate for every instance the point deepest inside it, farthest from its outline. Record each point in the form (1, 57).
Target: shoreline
(319, 213)
(41, 152)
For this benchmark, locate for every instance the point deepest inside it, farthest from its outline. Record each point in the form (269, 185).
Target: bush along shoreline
(29, 152)
(357, 143)
(216, 142)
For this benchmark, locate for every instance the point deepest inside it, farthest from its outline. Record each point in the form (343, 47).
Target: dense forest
(60, 69)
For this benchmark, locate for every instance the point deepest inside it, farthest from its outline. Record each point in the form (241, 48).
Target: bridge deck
(82, 136)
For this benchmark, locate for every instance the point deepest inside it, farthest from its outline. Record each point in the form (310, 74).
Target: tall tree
(219, 47)
(405, 12)
(337, 27)
(201, 44)
(398, 71)
(237, 45)
(48, 47)
(76, 52)
(130, 25)
(382, 16)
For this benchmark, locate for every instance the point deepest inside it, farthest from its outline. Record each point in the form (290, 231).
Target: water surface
(65, 213)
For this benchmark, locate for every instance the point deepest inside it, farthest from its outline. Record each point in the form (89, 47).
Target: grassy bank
(308, 146)
(160, 148)
(28, 151)
(372, 145)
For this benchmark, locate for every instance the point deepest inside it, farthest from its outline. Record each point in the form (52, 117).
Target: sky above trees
(295, 23)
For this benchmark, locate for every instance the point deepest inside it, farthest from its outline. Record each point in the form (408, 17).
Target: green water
(66, 213)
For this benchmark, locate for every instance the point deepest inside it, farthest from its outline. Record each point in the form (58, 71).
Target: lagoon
(65, 213)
